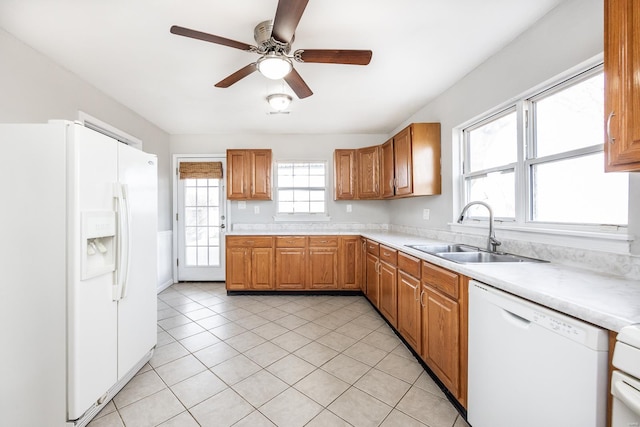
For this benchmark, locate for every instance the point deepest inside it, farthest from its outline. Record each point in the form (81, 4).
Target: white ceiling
(124, 48)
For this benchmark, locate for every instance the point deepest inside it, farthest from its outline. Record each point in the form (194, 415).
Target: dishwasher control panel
(560, 326)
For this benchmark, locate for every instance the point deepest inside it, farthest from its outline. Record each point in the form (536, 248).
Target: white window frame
(302, 216)
(612, 238)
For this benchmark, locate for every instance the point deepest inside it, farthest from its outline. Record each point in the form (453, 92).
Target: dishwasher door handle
(516, 320)
(628, 395)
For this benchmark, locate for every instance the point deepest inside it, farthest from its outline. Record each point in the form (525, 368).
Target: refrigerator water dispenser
(98, 245)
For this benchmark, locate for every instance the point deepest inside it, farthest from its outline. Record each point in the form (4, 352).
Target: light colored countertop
(605, 300)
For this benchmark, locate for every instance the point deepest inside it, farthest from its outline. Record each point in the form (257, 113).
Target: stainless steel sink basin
(484, 257)
(435, 249)
(465, 254)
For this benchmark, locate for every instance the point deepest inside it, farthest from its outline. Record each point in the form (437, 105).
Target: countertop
(605, 300)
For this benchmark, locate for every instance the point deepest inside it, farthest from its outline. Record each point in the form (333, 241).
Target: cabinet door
(403, 162)
(388, 292)
(369, 172)
(409, 309)
(262, 268)
(363, 265)
(440, 346)
(387, 170)
(344, 173)
(238, 268)
(237, 175)
(260, 170)
(350, 264)
(372, 278)
(290, 268)
(622, 91)
(323, 268)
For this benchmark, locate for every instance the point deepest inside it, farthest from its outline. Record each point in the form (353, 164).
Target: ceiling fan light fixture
(279, 101)
(274, 66)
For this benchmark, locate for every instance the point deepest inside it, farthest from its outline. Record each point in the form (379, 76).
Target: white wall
(34, 89)
(291, 147)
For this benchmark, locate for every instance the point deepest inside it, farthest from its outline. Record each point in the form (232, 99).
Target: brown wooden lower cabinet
(387, 284)
(323, 262)
(293, 263)
(350, 264)
(409, 310)
(249, 263)
(440, 347)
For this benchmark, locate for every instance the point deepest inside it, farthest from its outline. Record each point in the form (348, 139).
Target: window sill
(615, 242)
(301, 218)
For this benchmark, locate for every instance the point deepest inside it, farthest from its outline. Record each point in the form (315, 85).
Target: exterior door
(201, 219)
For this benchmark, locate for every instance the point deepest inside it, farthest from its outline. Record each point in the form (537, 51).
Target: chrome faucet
(492, 243)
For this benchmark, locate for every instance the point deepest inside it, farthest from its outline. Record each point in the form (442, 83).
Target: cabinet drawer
(409, 264)
(388, 255)
(249, 241)
(331, 241)
(443, 280)
(291, 241)
(373, 247)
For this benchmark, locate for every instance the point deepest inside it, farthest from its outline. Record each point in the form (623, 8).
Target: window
(301, 187)
(552, 171)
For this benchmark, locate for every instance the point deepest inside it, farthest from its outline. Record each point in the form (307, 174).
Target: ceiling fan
(274, 39)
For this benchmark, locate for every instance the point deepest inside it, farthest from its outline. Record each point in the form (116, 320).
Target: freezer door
(137, 304)
(92, 315)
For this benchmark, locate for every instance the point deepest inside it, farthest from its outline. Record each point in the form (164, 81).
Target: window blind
(200, 170)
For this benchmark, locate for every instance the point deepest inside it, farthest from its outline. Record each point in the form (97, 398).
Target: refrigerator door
(92, 313)
(137, 304)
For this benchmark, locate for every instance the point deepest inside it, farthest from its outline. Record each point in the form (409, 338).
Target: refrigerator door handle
(126, 255)
(122, 266)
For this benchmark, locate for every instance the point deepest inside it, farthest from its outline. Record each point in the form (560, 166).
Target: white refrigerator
(79, 263)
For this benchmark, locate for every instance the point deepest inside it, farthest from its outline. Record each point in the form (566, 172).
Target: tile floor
(276, 360)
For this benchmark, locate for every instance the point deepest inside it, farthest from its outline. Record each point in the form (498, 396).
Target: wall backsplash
(627, 266)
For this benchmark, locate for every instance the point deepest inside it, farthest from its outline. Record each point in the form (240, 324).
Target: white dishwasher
(530, 366)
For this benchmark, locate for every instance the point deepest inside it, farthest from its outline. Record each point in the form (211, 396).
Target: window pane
(301, 207)
(578, 191)
(285, 195)
(494, 143)
(316, 207)
(301, 195)
(300, 181)
(285, 181)
(189, 196)
(201, 198)
(191, 256)
(571, 118)
(496, 189)
(214, 257)
(214, 195)
(285, 207)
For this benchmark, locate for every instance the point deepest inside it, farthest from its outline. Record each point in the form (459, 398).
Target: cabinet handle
(377, 267)
(415, 291)
(421, 293)
(610, 139)
(386, 253)
(391, 184)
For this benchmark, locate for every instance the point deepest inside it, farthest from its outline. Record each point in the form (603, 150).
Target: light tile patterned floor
(276, 360)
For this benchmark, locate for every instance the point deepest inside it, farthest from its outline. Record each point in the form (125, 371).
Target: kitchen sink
(442, 248)
(483, 257)
(465, 254)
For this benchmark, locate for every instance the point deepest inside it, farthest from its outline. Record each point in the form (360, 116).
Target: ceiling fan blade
(181, 31)
(298, 85)
(287, 17)
(237, 76)
(328, 56)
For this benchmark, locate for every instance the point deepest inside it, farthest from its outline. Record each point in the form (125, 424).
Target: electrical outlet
(349, 208)
(426, 213)
(256, 210)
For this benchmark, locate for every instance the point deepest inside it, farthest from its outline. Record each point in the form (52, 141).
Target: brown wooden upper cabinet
(622, 91)
(249, 174)
(406, 165)
(345, 174)
(368, 177)
(387, 169)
